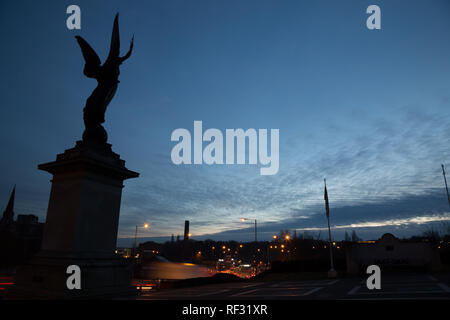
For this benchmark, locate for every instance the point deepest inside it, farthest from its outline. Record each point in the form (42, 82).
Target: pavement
(393, 286)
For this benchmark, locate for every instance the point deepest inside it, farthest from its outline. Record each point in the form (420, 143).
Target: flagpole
(331, 273)
(446, 187)
(331, 245)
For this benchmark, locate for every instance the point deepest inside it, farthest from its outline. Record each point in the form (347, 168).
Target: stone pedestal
(81, 229)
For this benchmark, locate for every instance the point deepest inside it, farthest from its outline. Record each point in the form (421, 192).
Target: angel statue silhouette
(107, 76)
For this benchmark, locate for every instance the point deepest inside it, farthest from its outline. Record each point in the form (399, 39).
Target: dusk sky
(369, 110)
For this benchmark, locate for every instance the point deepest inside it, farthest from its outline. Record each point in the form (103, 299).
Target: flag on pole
(327, 207)
(446, 187)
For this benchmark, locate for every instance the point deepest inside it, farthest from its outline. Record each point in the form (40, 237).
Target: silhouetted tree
(319, 236)
(346, 237)
(284, 233)
(445, 227)
(307, 236)
(355, 237)
(432, 234)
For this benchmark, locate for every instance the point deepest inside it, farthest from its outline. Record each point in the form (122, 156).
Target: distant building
(20, 239)
(390, 252)
(149, 249)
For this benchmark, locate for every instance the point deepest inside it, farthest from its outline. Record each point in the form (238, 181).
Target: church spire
(8, 214)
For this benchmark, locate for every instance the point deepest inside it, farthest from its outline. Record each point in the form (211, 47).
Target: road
(393, 286)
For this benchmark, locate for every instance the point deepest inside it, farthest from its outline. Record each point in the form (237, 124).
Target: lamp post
(256, 239)
(135, 238)
(245, 219)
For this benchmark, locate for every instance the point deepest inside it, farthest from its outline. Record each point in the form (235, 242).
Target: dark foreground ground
(393, 286)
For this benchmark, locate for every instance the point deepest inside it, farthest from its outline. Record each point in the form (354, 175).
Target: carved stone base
(81, 228)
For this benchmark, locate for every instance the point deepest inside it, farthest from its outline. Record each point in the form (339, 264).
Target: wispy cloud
(389, 168)
(386, 223)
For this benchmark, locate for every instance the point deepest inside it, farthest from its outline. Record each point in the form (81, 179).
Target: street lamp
(256, 238)
(245, 219)
(146, 225)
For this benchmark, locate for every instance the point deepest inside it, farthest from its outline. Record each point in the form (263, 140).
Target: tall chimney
(186, 230)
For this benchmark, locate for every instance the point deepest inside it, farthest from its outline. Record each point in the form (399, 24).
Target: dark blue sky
(369, 110)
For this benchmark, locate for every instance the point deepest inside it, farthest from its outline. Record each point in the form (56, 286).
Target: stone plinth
(81, 228)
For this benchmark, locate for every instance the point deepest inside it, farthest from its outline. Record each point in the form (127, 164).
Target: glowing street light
(146, 226)
(245, 219)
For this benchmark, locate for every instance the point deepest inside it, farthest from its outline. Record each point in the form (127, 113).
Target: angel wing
(114, 49)
(92, 65)
(125, 57)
